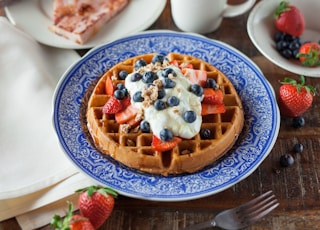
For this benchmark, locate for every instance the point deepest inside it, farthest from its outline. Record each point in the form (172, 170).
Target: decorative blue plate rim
(262, 118)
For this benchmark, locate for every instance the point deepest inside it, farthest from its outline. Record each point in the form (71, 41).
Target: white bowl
(261, 31)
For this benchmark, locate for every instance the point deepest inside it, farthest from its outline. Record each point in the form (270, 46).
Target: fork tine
(257, 208)
(262, 214)
(243, 215)
(259, 204)
(256, 200)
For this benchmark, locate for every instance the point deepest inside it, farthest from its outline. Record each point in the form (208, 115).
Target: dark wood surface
(297, 188)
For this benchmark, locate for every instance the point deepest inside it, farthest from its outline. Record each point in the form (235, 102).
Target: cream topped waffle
(164, 115)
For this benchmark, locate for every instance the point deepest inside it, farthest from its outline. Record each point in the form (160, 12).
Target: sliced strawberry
(112, 106)
(195, 76)
(125, 102)
(212, 109)
(133, 122)
(162, 146)
(212, 96)
(109, 86)
(174, 62)
(126, 114)
(186, 65)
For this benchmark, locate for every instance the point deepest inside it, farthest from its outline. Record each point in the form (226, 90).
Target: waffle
(133, 147)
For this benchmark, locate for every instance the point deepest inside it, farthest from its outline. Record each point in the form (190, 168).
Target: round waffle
(133, 148)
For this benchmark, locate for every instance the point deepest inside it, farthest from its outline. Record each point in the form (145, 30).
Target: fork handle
(202, 225)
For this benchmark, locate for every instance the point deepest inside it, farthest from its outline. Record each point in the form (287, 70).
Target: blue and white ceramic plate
(261, 128)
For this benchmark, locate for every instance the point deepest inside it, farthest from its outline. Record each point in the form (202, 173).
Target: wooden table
(297, 188)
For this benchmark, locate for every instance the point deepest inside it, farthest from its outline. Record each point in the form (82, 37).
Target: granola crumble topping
(124, 128)
(149, 94)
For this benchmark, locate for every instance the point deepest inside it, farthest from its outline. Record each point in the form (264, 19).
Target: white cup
(204, 16)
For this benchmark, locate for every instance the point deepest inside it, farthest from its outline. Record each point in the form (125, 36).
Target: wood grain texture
(297, 188)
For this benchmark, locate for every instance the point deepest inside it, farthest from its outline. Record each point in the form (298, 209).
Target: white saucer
(261, 30)
(34, 17)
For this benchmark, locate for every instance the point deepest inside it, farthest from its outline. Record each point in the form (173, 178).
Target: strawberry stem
(60, 223)
(103, 190)
(299, 86)
(311, 58)
(282, 7)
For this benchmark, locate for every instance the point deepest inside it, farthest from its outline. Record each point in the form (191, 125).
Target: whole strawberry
(294, 98)
(289, 19)
(309, 54)
(96, 203)
(71, 222)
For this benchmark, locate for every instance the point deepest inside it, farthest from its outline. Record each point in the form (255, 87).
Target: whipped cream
(171, 117)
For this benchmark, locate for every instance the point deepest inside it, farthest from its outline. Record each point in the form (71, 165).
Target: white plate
(261, 31)
(35, 16)
(260, 131)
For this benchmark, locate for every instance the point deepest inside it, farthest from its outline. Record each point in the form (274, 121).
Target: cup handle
(236, 10)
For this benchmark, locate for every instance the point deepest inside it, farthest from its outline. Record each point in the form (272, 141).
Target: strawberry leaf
(103, 190)
(282, 7)
(310, 89)
(62, 223)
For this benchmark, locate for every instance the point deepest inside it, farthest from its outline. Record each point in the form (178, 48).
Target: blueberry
(145, 126)
(189, 116)
(137, 97)
(287, 53)
(168, 83)
(158, 58)
(205, 134)
(136, 77)
(279, 36)
(120, 86)
(173, 101)
(149, 77)
(211, 83)
(294, 45)
(286, 160)
(161, 93)
(196, 89)
(281, 45)
(167, 71)
(295, 53)
(287, 45)
(159, 105)
(139, 63)
(166, 135)
(298, 122)
(298, 148)
(119, 94)
(288, 38)
(123, 88)
(123, 74)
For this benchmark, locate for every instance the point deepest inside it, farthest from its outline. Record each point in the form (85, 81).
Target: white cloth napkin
(34, 171)
(37, 208)
(30, 154)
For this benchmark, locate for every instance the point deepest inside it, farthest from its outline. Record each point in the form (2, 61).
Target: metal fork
(243, 215)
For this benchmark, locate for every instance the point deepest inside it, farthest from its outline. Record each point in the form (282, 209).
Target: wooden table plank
(297, 188)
